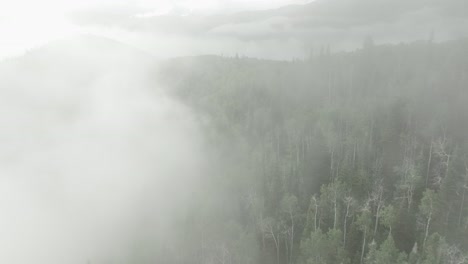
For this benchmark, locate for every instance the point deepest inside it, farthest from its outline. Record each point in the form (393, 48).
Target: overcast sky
(25, 24)
(59, 6)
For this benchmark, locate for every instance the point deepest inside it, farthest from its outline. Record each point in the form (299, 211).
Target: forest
(342, 157)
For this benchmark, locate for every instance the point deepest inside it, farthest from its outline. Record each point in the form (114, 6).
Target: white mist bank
(86, 163)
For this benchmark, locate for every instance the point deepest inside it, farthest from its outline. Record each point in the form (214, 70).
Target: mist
(92, 160)
(234, 132)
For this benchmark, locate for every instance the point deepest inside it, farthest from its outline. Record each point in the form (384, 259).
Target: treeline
(356, 157)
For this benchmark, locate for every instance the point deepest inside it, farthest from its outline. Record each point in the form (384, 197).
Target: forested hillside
(357, 157)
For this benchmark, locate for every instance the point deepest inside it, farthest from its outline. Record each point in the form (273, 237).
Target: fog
(92, 156)
(233, 131)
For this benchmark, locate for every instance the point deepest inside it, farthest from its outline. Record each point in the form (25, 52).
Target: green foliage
(389, 216)
(428, 203)
(322, 248)
(386, 253)
(433, 250)
(300, 140)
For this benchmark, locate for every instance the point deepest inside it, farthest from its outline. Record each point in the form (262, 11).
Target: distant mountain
(72, 61)
(89, 49)
(61, 79)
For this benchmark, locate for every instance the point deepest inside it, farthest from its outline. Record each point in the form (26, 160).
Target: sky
(25, 24)
(48, 7)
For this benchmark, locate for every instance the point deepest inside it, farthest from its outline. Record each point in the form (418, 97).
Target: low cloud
(90, 163)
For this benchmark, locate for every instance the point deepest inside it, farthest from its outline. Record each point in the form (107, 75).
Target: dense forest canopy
(348, 157)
